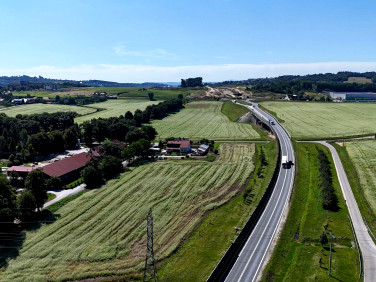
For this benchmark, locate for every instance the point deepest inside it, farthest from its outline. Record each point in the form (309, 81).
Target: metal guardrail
(358, 248)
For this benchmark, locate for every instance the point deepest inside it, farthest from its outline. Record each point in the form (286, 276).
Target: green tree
(36, 182)
(27, 205)
(323, 239)
(151, 96)
(7, 201)
(128, 115)
(92, 176)
(110, 166)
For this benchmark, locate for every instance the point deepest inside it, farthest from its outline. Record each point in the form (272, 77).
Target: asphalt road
(251, 258)
(366, 244)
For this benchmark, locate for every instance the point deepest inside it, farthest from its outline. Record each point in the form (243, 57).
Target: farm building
(22, 171)
(68, 168)
(182, 145)
(203, 149)
(353, 96)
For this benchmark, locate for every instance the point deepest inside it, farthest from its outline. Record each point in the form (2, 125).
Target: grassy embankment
(103, 232)
(309, 120)
(199, 255)
(359, 159)
(204, 119)
(298, 252)
(233, 111)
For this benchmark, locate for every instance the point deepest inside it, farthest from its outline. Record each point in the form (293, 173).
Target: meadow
(203, 119)
(363, 157)
(115, 108)
(308, 120)
(103, 232)
(45, 108)
(298, 255)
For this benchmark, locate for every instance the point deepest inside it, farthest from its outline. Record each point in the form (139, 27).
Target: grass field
(308, 120)
(360, 80)
(45, 108)
(115, 108)
(203, 120)
(103, 232)
(297, 254)
(363, 156)
(199, 255)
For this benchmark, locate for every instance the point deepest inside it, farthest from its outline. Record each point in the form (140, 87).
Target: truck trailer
(285, 162)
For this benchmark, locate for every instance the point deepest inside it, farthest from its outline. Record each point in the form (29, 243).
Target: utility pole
(150, 271)
(330, 257)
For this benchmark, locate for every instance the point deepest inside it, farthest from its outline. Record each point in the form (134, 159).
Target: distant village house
(181, 145)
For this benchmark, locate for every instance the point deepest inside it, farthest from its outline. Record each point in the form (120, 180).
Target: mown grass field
(308, 120)
(115, 108)
(45, 108)
(199, 255)
(203, 120)
(103, 232)
(297, 254)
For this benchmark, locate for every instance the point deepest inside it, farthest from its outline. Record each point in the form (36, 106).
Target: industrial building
(353, 96)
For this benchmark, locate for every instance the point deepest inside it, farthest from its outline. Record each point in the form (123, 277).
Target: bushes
(329, 200)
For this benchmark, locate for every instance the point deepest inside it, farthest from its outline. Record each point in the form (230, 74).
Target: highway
(250, 260)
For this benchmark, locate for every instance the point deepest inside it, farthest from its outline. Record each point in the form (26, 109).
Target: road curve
(366, 244)
(250, 260)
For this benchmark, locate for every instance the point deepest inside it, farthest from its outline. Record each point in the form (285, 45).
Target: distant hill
(344, 76)
(5, 80)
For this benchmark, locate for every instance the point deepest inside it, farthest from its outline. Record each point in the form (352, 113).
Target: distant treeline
(191, 82)
(296, 84)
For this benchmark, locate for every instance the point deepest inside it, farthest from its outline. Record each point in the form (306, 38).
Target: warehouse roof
(67, 165)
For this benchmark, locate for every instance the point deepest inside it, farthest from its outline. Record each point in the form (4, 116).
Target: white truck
(285, 162)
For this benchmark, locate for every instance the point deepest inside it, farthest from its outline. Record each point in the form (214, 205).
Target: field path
(366, 244)
(63, 194)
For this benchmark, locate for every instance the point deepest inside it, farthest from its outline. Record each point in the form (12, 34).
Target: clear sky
(165, 40)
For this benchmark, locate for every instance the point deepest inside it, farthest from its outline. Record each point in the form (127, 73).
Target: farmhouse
(68, 168)
(353, 96)
(182, 145)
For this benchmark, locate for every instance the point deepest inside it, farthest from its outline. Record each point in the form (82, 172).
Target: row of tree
(329, 200)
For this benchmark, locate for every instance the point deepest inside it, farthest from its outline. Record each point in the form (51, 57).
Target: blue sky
(138, 40)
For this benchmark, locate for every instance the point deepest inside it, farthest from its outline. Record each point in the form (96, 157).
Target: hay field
(203, 120)
(325, 120)
(103, 232)
(115, 108)
(45, 108)
(363, 156)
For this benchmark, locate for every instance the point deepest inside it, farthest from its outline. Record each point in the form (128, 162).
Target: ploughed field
(45, 108)
(103, 232)
(115, 108)
(363, 156)
(307, 120)
(203, 120)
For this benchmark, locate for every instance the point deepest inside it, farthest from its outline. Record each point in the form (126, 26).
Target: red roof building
(182, 145)
(67, 168)
(22, 171)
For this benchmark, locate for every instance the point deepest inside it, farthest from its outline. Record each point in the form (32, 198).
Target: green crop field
(45, 108)
(103, 232)
(115, 108)
(363, 156)
(308, 120)
(203, 120)
(298, 253)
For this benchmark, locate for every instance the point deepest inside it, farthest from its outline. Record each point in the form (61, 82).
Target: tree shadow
(13, 236)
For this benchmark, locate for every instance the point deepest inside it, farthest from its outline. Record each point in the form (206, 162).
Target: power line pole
(330, 257)
(150, 271)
